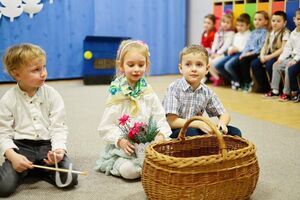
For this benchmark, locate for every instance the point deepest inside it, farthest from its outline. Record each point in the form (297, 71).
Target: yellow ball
(88, 55)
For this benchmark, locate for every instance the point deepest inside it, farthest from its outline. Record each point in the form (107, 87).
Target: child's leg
(125, 168)
(231, 67)
(276, 75)
(269, 68)
(245, 63)
(212, 69)
(189, 132)
(260, 75)
(221, 68)
(234, 131)
(128, 170)
(293, 72)
(286, 87)
(49, 176)
(9, 179)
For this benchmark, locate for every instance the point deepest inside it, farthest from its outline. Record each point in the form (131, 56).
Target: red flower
(132, 133)
(124, 119)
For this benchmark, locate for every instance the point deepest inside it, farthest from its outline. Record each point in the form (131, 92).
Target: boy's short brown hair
(280, 13)
(20, 55)
(195, 49)
(244, 18)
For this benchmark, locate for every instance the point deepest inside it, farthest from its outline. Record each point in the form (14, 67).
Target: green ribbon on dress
(121, 91)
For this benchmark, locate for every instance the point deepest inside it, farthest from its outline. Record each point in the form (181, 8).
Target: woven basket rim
(206, 160)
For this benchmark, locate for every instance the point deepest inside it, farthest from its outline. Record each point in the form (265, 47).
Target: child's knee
(7, 187)
(127, 170)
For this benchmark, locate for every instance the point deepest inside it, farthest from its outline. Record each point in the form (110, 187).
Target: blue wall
(61, 27)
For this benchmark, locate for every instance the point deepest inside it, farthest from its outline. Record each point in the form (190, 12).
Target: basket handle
(222, 146)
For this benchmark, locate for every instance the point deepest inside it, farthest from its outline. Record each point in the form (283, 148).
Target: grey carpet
(278, 151)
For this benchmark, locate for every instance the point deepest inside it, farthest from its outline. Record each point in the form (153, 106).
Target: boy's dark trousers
(260, 72)
(35, 151)
(194, 131)
(245, 64)
(294, 71)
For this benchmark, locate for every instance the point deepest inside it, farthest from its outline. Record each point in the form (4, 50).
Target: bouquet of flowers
(139, 132)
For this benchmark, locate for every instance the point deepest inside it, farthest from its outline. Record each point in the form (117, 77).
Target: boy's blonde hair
(195, 49)
(297, 12)
(21, 55)
(126, 46)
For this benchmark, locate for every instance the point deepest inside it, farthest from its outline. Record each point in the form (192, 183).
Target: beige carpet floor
(277, 150)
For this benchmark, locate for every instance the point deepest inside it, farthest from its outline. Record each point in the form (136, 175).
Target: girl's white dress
(139, 103)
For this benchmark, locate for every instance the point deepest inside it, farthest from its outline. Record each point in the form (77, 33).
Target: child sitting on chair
(32, 121)
(188, 97)
(130, 94)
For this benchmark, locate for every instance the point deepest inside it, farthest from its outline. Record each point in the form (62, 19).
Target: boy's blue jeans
(35, 151)
(194, 131)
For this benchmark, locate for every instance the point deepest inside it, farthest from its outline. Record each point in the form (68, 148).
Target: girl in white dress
(130, 94)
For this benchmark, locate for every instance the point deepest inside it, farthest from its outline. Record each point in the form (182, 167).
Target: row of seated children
(232, 55)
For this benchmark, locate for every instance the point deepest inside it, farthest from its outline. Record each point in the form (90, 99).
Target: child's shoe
(235, 85)
(284, 97)
(218, 82)
(271, 95)
(296, 98)
(247, 87)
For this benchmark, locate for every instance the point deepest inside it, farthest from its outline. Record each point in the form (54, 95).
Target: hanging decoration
(14, 8)
(32, 7)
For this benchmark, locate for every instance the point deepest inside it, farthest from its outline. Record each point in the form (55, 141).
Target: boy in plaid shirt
(187, 97)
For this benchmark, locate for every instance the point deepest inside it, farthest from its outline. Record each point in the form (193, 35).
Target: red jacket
(208, 38)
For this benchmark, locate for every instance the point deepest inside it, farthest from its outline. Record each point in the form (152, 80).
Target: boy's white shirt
(240, 40)
(292, 47)
(41, 117)
(149, 105)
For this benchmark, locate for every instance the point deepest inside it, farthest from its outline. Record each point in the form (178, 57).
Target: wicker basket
(209, 167)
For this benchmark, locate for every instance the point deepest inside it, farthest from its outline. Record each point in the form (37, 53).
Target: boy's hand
(245, 55)
(263, 59)
(223, 128)
(50, 156)
(290, 63)
(204, 127)
(127, 147)
(232, 50)
(19, 162)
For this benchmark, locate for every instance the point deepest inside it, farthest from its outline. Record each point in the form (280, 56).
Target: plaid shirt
(186, 103)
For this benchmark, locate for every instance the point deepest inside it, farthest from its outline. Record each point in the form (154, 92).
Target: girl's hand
(159, 137)
(50, 156)
(127, 147)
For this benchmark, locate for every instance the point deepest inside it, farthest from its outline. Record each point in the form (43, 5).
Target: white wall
(196, 10)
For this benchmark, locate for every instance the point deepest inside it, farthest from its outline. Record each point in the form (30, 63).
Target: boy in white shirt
(32, 121)
(227, 66)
